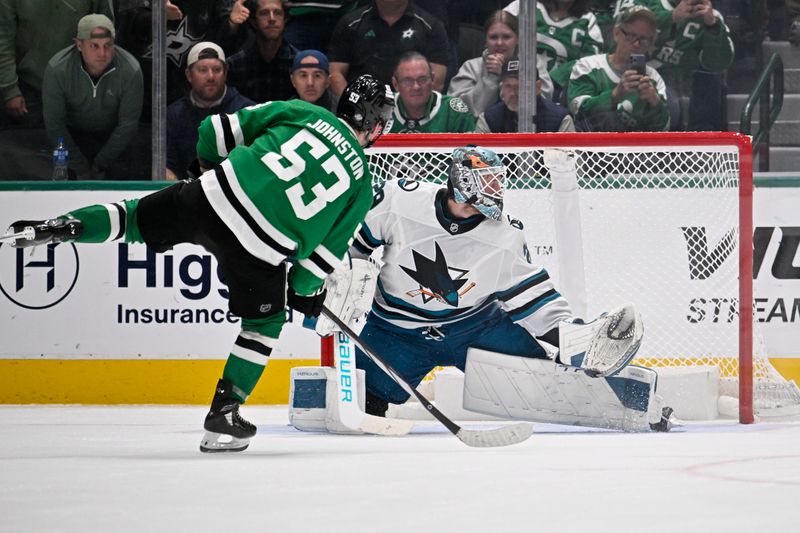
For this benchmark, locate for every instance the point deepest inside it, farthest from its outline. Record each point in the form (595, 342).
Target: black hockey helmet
(477, 177)
(366, 104)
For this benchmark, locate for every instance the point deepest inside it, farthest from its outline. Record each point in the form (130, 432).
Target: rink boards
(125, 325)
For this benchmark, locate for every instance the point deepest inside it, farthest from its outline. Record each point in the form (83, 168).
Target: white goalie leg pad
(351, 289)
(605, 345)
(313, 404)
(539, 390)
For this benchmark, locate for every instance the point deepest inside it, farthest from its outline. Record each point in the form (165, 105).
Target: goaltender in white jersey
(439, 269)
(457, 288)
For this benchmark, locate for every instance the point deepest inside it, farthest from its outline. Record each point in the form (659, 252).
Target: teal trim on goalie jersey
(369, 238)
(534, 305)
(522, 286)
(632, 394)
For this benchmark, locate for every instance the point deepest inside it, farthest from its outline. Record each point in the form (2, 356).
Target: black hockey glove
(308, 305)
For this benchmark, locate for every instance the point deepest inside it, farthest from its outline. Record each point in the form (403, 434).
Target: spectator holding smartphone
(607, 93)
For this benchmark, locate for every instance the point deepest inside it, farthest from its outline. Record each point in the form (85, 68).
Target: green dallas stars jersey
(295, 184)
(589, 96)
(444, 114)
(564, 40)
(683, 47)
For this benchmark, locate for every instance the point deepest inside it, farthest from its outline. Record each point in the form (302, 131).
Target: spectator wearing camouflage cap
(206, 71)
(92, 96)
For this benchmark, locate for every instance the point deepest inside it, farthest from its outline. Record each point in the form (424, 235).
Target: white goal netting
(627, 219)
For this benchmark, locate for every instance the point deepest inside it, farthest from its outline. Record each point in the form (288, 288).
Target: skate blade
(220, 442)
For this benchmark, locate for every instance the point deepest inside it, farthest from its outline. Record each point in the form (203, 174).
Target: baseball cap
(510, 69)
(635, 12)
(512, 66)
(204, 50)
(321, 62)
(90, 24)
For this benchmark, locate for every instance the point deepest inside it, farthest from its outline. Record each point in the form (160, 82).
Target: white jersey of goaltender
(438, 270)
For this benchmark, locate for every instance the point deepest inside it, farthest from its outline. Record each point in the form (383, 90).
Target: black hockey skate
(27, 233)
(226, 430)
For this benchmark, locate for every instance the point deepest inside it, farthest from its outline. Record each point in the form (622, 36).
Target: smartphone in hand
(638, 63)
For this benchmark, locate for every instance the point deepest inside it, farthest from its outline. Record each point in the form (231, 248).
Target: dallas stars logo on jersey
(435, 281)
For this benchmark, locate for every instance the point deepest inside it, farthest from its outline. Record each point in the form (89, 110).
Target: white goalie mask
(478, 178)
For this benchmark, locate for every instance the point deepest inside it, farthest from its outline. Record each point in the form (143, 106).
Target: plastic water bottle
(60, 161)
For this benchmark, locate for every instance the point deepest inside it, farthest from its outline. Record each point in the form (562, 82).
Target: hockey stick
(350, 413)
(502, 436)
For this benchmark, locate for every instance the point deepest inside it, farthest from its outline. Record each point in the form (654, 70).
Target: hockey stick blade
(502, 436)
(483, 438)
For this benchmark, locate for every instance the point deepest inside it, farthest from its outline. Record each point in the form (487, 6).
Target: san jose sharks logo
(435, 279)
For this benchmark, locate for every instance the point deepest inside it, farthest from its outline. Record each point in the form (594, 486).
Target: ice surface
(121, 469)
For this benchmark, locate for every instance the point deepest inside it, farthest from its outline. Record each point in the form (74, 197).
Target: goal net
(662, 220)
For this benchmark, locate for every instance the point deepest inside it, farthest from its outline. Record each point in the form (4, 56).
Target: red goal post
(650, 205)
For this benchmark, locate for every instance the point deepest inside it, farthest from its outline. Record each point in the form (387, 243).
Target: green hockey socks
(108, 222)
(251, 351)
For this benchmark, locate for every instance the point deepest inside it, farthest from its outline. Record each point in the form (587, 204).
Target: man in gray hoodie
(92, 97)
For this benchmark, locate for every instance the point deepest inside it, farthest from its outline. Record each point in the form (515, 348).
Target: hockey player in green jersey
(288, 183)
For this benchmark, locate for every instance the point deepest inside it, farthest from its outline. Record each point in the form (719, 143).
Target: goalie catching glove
(350, 291)
(605, 345)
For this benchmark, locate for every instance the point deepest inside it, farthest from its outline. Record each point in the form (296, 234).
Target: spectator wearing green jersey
(694, 48)
(420, 109)
(566, 30)
(606, 94)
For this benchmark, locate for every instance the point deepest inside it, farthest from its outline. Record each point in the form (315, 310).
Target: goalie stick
(350, 414)
(501, 436)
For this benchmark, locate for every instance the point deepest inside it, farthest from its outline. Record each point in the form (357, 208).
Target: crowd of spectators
(82, 70)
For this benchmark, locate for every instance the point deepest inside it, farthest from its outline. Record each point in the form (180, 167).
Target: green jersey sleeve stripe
(121, 217)
(311, 265)
(328, 257)
(227, 132)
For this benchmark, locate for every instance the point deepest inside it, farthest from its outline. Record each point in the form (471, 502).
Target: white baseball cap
(204, 50)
